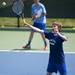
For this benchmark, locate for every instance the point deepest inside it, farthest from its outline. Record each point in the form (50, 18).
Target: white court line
(26, 51)
(30, 51)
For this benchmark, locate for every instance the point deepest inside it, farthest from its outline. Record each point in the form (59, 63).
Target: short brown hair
(59, 24)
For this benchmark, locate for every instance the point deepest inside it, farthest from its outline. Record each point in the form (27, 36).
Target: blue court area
(30, 63)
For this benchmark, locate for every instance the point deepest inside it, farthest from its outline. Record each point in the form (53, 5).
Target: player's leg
(30, 39)
(62, 69)
(48, 73)
(42, 26)
(51, 68)
(44, 39)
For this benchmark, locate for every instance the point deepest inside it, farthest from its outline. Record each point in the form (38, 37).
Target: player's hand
(56, 31)
(35, 16)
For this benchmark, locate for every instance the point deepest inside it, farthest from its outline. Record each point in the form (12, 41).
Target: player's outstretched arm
(36, 29)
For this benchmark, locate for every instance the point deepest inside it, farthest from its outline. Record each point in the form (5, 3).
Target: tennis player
(56, 57)
(39, 21)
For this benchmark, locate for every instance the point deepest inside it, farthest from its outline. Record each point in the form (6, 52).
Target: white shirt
(39, 9)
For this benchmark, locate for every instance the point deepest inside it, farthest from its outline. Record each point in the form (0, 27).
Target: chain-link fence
(55, 9)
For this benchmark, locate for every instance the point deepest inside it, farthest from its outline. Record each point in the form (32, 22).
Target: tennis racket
(17, 8)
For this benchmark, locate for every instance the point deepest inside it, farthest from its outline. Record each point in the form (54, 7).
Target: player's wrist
(59, 33)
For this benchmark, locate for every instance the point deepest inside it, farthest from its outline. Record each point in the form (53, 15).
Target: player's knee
(49, 73)
(63, 74)
(32, 33)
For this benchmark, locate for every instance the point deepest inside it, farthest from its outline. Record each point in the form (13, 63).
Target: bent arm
(63, 37)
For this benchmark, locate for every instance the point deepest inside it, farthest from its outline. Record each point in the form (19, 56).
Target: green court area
(14, 40)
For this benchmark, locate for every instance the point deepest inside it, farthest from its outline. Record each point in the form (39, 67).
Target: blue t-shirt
(56, 48)
(39, 9)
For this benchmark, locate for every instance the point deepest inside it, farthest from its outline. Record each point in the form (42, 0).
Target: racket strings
(18, 7)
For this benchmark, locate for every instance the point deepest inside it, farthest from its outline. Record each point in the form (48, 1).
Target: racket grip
(26, 24)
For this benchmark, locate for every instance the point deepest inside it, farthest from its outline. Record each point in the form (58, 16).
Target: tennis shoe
(26, 47)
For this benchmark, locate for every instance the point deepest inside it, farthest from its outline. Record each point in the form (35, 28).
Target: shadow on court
(25, 49)
(30, 63)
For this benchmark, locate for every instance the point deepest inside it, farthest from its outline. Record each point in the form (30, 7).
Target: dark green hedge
(55, 8)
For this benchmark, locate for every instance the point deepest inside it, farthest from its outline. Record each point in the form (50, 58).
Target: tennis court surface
(30, 62)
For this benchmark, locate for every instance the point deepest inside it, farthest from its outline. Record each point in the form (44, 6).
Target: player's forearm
(34, 16)
(36, 29)
(63, 37)
(43, 14)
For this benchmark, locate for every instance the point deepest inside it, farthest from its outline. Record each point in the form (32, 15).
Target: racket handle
(26, 24)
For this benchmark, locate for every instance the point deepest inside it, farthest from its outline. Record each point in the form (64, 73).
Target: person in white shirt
(39, 20)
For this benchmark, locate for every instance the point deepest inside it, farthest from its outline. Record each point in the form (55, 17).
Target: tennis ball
(4, 3)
